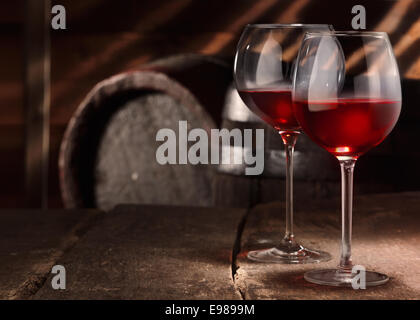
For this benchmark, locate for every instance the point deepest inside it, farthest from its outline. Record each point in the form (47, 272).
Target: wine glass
(347, 98)
(264, 65)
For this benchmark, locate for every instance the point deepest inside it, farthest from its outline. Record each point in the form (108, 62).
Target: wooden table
(161, 252)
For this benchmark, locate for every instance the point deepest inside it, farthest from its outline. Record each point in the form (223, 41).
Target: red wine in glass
(348, 127)
(265, 63)
(273, 106)
(347, 98)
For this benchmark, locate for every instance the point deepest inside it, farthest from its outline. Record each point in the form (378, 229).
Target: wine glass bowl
(347, 94)
(347, 98)
(264, 67)
(273, 106)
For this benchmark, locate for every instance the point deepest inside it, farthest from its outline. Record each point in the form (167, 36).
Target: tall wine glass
(264, 64)
(347, 98)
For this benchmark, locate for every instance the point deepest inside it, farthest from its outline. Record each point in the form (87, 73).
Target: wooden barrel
(108, 153)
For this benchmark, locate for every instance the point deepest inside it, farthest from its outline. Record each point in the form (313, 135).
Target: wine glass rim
(351, 33)
(286, 25)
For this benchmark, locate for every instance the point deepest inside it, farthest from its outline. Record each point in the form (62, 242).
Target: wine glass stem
(347, 168)
(289, 140)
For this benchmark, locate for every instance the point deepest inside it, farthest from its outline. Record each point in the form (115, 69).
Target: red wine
(348, 127)
(274, 107)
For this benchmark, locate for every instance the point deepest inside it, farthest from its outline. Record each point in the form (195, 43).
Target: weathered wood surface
(386, 237)
(153, 252)
(31, 242)
(169, 252)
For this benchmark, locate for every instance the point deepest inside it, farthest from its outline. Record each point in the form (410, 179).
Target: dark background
(104, 37)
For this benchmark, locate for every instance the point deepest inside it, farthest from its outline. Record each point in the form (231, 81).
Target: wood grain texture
(385, 238)
(153, 252)
(31, 242)
(169, 252)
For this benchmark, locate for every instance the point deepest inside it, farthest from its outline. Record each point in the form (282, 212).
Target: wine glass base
(342, 278)
(289, 253)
